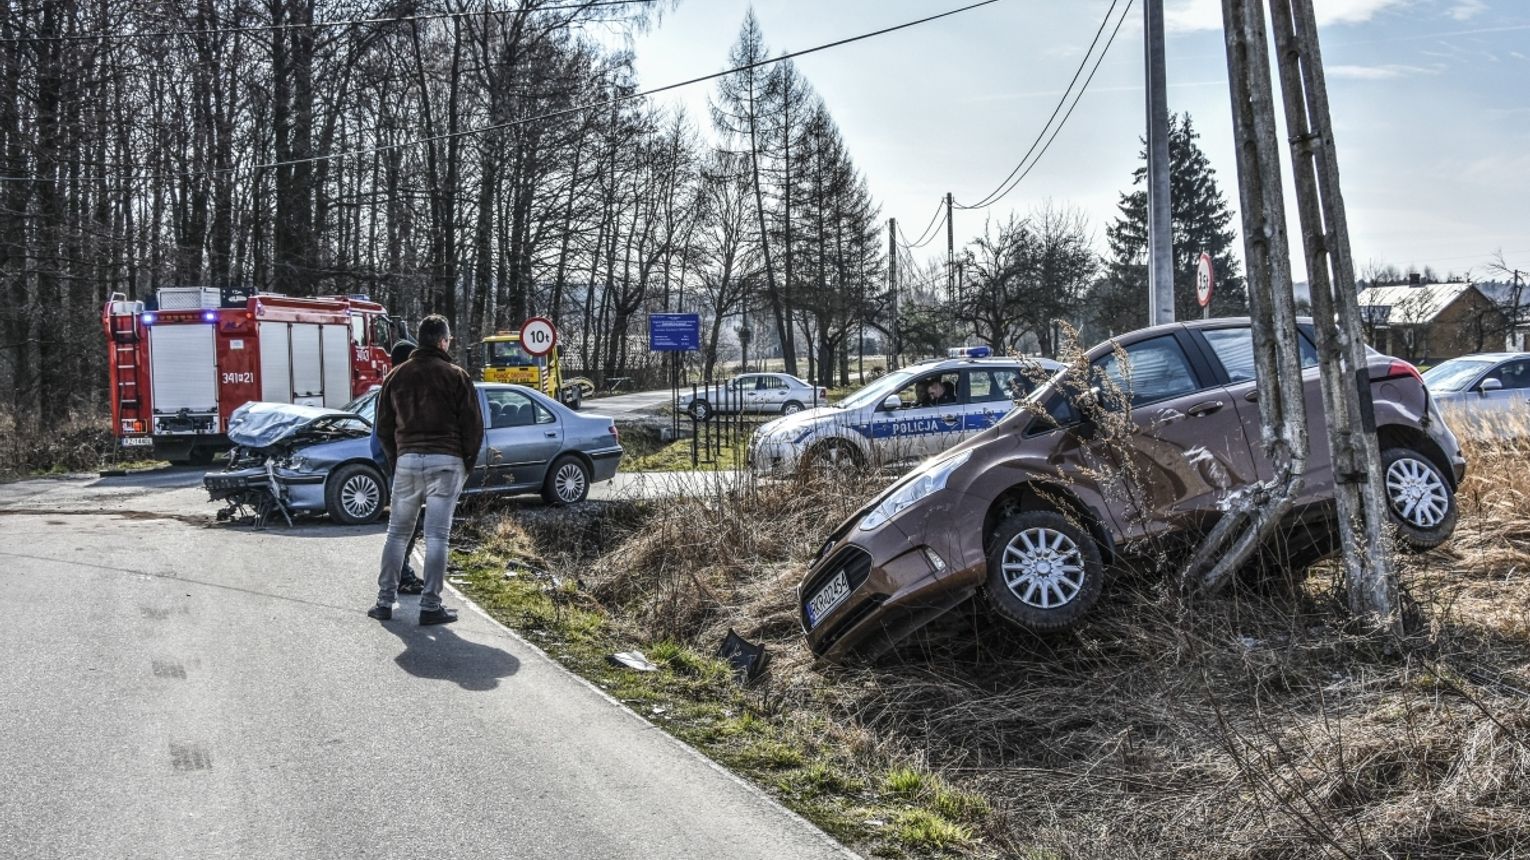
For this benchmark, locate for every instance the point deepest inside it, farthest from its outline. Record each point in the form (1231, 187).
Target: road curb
(748, 786)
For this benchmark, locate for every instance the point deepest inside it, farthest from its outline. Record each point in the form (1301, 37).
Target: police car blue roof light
(970, 352)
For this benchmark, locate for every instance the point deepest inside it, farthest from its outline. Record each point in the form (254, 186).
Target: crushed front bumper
(902, 575)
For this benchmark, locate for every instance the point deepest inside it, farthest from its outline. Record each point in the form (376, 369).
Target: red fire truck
(180, 365)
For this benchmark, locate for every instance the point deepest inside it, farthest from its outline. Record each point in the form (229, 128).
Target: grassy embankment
(1259, 724)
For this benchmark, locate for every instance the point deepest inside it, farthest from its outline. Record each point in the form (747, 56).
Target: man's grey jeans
(434, 481)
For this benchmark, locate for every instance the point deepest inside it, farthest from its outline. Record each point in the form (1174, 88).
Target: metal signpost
(1205, 282)
(675, 334)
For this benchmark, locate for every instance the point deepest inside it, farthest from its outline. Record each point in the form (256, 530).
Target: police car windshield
(876, 391)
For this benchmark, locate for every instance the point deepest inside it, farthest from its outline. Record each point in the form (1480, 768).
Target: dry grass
(1262, 724)
(78, 443)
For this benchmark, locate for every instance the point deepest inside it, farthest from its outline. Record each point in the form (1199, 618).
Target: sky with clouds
(1431, 102)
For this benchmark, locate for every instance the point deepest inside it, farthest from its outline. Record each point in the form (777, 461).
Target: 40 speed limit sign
(538, 336)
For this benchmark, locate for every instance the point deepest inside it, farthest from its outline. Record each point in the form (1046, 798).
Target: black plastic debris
(633, 660)
(747, 659)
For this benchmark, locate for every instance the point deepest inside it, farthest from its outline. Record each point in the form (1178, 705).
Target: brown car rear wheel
(1044, 571)
(1419, 499)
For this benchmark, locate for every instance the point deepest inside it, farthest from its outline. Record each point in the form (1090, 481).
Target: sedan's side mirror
(1490, 384)
(892, 404)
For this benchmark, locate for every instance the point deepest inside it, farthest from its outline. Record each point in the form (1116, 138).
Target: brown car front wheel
(1044, 571)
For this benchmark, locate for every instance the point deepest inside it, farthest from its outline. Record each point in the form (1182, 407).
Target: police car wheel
(791, 407)
(700, 410)
(355, 494)
(834, 455)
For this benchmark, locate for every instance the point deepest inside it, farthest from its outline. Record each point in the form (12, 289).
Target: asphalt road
(174, 688)
(626, 407)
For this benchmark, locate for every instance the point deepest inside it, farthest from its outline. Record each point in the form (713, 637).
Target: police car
(909, 414)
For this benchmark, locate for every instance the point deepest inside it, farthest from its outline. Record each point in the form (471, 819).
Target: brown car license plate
(828, 597)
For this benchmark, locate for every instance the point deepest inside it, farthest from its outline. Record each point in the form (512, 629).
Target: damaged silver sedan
(292, 460)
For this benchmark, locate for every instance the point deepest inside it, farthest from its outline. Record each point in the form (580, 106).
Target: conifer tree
(1202, 222)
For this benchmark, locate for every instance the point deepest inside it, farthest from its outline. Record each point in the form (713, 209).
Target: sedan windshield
(365, 406)
(1454, 375)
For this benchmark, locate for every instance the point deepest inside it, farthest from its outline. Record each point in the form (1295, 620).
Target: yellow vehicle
(505, 361)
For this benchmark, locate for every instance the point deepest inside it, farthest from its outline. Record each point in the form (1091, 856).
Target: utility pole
(1359, 482)
(950, 251)
(1516, 314)
(1160, 237)
(892, 287)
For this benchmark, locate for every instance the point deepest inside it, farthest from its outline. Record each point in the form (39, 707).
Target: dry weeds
(78, 443)
(1259, 725)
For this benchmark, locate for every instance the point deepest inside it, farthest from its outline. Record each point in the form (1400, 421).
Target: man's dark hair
(401, 350)
(433, 330)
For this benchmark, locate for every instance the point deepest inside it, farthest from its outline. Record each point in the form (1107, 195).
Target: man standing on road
(430, 428)
(409, 582)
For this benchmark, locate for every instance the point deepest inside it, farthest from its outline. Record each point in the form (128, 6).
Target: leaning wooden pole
(1359, 485)
(1254, 514)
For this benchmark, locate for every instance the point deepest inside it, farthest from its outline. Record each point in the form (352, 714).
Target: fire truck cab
(181, 363)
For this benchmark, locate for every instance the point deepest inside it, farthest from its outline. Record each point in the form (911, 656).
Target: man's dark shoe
(437, 616)
(410, 584)
(381, 613)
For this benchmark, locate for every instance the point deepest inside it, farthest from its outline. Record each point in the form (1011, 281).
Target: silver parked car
(755, 392)
(303, 459)
(1484, 395)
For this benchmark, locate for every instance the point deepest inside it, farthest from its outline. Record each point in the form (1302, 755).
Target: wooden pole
(1359, 486)
(1255, 513)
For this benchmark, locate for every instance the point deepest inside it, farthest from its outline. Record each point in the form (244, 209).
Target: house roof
(1412, 305)
(1502, 294)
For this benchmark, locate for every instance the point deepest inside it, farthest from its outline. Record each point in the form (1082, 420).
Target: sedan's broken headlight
(932, 479)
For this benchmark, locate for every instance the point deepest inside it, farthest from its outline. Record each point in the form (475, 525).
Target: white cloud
(1384, 72)
(1190, 15)
(1465, 10)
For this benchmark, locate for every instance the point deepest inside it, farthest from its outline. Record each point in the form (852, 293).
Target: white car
(1484, 395)
(755, 392)
(909, 414)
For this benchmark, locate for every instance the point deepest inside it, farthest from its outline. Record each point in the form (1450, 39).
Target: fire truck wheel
(201, 455)
(568, 482)
(355, 494)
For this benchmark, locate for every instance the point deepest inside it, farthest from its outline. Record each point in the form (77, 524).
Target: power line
(999, 191)
(930, 230)
(557, 114)
(351, 22)
(1012, 185)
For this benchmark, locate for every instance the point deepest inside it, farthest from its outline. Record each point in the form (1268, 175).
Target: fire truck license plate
(137, 442)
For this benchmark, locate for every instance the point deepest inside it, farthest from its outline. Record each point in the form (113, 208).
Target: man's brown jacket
(429, 406)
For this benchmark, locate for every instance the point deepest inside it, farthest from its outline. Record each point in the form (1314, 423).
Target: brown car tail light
(1398, 368)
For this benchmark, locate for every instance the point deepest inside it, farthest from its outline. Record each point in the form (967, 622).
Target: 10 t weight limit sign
(538, 336)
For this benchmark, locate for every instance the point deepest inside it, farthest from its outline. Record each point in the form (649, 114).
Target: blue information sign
(674, 332)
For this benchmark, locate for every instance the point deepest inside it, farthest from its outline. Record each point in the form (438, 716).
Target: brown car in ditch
(1033, 510)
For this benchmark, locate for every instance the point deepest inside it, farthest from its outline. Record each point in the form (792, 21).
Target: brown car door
(1187, 449)
(1231, 350)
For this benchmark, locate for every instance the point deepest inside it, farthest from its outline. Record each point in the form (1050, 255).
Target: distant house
(1428, 323)
(1514, 300)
